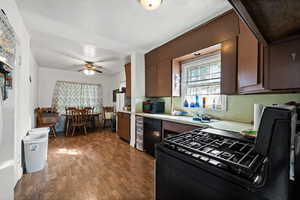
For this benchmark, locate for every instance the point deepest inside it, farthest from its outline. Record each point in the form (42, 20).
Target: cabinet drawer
(139, 119)
(139, 138)
(126, 116)
(139, 130)
(178, 127)
(124, 126)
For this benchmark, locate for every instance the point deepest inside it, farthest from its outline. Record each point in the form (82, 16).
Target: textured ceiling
(65, 31)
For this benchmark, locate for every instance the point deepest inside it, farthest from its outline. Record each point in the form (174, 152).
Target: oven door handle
(261, 179)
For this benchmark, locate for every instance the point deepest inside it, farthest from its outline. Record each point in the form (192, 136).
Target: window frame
(196, 63)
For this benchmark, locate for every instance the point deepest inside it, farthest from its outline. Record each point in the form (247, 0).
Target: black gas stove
(220, 165)
(220, 149)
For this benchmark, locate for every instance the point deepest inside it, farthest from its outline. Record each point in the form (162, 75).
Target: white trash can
(43, 131)
(35, 148)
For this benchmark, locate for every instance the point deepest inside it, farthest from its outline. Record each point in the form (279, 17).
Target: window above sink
(201, 82)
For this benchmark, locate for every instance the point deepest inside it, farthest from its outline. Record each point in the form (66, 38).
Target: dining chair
(78, 121)
(47, 117)
(90, 117)
(68, 118)
(108, 113)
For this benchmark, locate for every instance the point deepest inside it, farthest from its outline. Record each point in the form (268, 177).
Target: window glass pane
(69, 94)
(202, 78)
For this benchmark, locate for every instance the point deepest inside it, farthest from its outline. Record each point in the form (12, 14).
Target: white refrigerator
(120, 102)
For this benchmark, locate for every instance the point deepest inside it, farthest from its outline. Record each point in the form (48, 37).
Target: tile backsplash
(239, 107)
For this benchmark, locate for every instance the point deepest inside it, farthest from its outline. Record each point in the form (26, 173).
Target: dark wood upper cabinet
(229, 67)
(276, 25)
(250, 62)
(270, 21)
(211, 33)
(253, 60)
(128, 79)
(164, 78)
(159, 79)
(247, 57)
(151, 80)
(161, 71)
(284, 65)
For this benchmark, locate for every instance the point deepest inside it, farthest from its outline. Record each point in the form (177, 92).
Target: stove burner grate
(217, 150)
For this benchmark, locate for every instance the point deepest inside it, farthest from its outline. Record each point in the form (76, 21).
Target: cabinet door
(152, 134)
(284, 65)
(164, 79)
(250, 62)
(171, 128)
(247, 57)
(176, 79)
(128, 79)
(229, 67)
(124, 126)
(151, 82)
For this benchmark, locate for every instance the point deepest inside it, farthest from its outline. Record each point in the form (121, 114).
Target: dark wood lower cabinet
(173, 128)
(124, 126)
(152, 134)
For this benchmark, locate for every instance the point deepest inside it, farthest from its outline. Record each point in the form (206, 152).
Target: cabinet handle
(293, 55)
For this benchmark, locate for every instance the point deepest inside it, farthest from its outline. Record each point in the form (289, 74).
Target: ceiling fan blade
(98, 71)
(98, 66)
(82, 65)
(70, 56)
(107, 60)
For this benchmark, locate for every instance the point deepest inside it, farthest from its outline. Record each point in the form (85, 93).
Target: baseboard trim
(18, 174)
(7, 173)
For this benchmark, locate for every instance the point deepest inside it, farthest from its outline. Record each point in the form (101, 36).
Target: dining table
(93, 115)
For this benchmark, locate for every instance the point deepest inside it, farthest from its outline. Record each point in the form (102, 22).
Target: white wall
(137, 89)
(119, 78)
(34, 89)
(17, 110)
(48, 78)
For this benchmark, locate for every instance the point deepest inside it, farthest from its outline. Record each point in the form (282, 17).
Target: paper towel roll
(258, 110)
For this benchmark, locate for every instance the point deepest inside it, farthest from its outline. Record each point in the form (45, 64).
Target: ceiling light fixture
(88, 72)
(151, 4)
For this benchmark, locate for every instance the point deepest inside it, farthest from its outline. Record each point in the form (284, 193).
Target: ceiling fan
(90, 68)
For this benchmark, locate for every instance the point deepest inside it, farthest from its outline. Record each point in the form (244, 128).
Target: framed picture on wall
(8, 80)
(8, 49)
(2, 86)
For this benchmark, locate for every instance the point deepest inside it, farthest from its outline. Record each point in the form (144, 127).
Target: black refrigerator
(152, 134)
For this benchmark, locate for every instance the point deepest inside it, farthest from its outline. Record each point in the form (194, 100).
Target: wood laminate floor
(97, 166)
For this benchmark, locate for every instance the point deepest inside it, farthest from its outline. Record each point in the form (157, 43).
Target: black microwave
(153, 107)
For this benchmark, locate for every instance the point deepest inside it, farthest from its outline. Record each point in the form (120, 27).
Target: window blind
(202, 76)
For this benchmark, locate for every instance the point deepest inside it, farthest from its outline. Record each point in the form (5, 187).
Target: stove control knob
(214, 162)
(258, 179)
(196, 155)
(205, 159)
(222, 166)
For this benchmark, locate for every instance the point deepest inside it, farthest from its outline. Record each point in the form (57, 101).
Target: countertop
(217, 124)
(123, 111)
